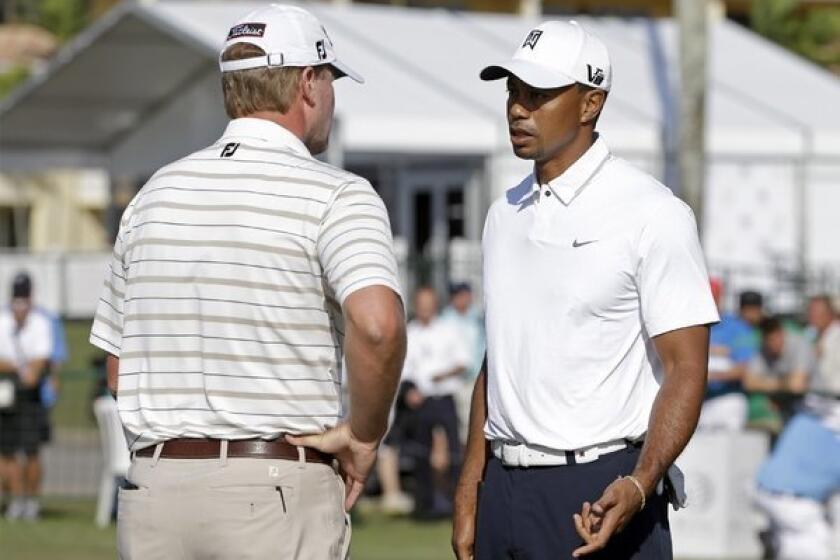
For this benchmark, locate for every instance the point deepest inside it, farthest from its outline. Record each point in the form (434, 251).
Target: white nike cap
(557, 54)
(290, 36)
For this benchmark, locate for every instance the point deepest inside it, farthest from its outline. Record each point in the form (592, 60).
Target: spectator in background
(732, 346)
(469, 322)
(751, 311)
(26, 345)
(782, 368)
(435, 364)
(803, 472)
(822, 317)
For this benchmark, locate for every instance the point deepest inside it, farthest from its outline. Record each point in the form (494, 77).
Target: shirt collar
(264, 133)
(569, 184)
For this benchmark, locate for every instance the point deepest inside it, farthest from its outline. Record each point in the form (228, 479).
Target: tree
(814, 33)
(62, 18)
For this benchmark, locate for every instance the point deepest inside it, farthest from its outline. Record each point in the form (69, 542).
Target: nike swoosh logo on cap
(577, 243)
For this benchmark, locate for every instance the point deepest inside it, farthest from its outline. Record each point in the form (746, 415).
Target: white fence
(70, 282)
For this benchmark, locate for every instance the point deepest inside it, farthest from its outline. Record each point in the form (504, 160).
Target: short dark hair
(749, 298)
(769, 325)
(458, 287)
(22, 285)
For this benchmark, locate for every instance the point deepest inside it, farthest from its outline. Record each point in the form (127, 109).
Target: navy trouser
(526, 513)
(436, 412)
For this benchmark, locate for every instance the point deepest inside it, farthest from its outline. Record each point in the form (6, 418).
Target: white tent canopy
(141, 88)
(150, 65)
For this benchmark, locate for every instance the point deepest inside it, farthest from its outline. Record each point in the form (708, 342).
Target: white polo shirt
(224, 296)
(34, 341)
(579, 275)
(433, 349)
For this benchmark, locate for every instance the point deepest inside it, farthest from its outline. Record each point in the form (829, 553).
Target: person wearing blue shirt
(49, 386)
(469, 321)
(733, 344)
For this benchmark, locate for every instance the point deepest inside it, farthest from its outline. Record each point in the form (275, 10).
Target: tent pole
(692, 16)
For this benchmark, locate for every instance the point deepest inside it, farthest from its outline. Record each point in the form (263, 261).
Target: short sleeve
(59, 352)
(671, 276)
(107, 329)
(355, 246)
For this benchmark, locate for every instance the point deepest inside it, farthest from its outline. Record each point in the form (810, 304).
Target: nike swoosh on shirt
(577, 243)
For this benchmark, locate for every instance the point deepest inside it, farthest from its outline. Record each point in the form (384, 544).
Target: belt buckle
(512, 454)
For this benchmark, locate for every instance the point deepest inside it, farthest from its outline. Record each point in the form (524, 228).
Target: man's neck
(292, 121)
(548, 170)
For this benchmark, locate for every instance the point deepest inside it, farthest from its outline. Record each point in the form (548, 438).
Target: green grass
(67, 533)
(78, 378)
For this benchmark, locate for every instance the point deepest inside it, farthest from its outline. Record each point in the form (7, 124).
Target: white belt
(521, 455)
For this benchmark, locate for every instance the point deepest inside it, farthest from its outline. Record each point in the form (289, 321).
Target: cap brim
(535, 75)
(344, 70)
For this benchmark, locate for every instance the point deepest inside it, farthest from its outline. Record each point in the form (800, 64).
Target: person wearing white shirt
(597, 306)
(436, 360)
(26, 344)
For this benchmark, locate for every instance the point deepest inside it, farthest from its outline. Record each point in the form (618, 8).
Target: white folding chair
(116, 458)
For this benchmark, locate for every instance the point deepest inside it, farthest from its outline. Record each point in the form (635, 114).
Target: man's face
(322, 111)
(774, 342)
(542, 122)
(751, 314)
(20, 309)
(462, 300)
(819, 314)
(425, 305)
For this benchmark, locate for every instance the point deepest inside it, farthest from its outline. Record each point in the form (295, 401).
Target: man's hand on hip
(597, 523)
(355, 458)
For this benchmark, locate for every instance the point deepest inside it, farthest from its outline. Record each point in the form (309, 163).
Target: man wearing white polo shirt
(435, 362)
(242, 275)
(598, 306)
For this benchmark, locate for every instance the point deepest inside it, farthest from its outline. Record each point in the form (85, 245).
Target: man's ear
(307, 85)
(593, 103)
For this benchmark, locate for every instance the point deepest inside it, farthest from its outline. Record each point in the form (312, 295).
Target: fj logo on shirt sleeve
(229, 149)
(532, 38)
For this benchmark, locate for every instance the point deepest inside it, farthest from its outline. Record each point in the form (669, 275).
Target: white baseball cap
(290, 36)
(557, 54)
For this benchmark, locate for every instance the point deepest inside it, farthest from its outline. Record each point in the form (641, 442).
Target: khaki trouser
(231, 509)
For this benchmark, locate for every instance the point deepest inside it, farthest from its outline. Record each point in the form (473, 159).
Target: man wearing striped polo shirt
(241, 276)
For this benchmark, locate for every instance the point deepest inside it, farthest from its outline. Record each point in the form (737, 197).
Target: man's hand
(355, 458)
(596, 524)
(28, 377)
(463, 519)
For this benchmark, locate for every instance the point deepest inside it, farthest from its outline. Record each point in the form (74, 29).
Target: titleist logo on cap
(247, 30)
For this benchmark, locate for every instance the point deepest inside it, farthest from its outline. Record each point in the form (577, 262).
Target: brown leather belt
(252, 448)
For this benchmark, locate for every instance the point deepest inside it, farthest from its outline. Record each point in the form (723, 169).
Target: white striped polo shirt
(223, 298)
